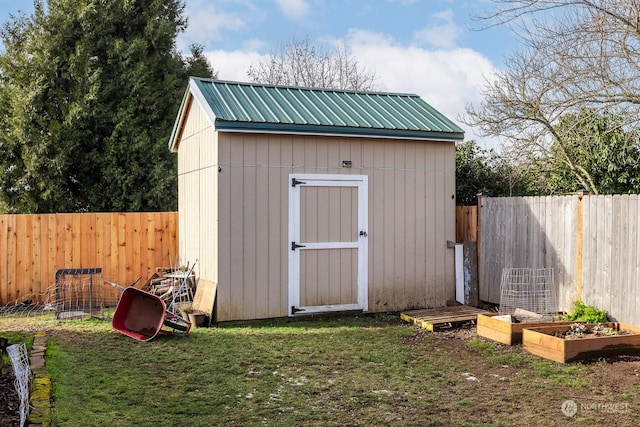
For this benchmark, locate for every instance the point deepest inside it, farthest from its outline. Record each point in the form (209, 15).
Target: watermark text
(571, 407)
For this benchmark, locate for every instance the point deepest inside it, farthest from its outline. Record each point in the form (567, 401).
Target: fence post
(478, 243)
(581, 194)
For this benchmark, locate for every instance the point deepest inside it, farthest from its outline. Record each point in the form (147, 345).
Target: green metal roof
(235, 106)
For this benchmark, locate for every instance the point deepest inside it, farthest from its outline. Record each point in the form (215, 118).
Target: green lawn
(370, 370)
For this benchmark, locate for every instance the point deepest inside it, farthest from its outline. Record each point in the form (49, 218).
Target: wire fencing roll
(20, 362)
(530, 289)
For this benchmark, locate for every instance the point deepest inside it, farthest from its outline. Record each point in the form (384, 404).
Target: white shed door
(328, 243)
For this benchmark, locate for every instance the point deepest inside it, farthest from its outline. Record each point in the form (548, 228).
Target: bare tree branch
(301, 64)
(577, 55)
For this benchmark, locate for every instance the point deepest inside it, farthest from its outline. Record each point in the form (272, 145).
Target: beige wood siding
(197, 194)
(411, 217)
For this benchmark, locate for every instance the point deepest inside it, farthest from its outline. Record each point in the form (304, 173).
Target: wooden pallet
(442, 317)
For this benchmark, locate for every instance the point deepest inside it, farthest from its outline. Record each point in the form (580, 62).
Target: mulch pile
(9, 400)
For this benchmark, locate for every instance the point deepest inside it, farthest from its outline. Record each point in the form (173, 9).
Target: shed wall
(197, 195)
(411, 217)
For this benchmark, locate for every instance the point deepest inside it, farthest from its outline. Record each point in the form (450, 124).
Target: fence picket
(124, 245)
(466, 224)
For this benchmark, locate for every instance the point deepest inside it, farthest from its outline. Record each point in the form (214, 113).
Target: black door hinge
(295, 310)
(295, 246)
(295, 182)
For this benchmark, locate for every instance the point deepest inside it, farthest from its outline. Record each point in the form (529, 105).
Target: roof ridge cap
(304, 88)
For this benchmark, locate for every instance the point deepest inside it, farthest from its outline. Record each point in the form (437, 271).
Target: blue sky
(429, 47)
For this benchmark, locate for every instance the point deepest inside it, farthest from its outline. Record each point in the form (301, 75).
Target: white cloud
(235, 64)
(294, 9)
(254, 45)
(448, 79)
(208, 22)
(443, 32)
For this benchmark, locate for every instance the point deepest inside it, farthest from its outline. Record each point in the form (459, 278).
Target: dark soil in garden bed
(9, 400)
(581, 331)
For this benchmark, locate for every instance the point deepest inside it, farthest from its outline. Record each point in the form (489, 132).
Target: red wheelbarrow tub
(140, 315)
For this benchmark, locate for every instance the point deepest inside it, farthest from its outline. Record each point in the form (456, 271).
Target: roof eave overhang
(178, 126)
(317, 130)
(192, 92)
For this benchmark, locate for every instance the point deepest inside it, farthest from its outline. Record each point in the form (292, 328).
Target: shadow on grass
(319, 321)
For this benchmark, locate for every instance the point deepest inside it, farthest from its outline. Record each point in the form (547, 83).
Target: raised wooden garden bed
(505, 331)
(547, 342)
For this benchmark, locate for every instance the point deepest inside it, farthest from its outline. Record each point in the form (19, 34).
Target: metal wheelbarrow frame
(142, 315)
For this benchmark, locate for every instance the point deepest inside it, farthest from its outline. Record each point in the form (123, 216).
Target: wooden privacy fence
(466, 224)
(591, 242)
(125, 245)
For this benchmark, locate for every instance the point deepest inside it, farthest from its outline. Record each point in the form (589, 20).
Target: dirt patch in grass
(505, 380)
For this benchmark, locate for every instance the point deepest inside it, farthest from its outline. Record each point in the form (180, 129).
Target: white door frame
(360, 242)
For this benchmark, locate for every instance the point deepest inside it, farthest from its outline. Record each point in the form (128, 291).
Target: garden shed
(297, 201)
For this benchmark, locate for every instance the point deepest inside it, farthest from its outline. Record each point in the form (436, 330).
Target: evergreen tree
(88, 95)
(484, 171)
